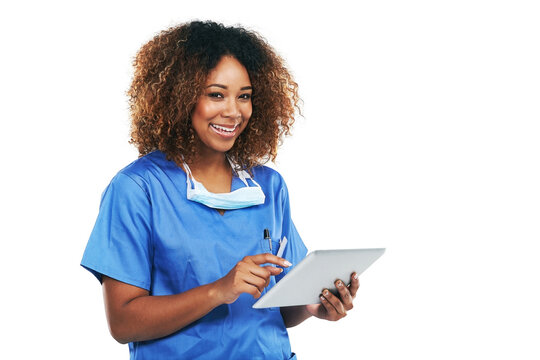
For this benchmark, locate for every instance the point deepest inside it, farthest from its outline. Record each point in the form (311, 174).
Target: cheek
(206, 110)
(246, 115)
(247, 111)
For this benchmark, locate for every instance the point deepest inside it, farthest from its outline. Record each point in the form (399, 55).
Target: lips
(225, 130)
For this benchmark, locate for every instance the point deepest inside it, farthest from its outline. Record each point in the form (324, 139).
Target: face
(224, 109)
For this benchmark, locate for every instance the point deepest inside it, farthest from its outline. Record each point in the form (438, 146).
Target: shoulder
(271, 181)
(148, 166)
(145, 170)
(144, 164)
(266, 174)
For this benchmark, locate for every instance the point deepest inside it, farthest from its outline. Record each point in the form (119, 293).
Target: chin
(222, 148)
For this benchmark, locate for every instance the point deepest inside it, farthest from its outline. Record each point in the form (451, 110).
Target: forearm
(294, 315)
(150, 317)
(134, 315)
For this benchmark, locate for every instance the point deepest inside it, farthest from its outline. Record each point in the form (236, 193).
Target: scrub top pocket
(265, 246)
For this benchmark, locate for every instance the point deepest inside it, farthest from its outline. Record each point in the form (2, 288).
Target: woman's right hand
(248, 276)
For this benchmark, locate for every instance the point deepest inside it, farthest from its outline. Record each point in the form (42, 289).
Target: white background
(420, 134)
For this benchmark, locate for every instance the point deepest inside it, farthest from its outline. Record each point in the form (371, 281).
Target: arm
(294, 315)
(331, 308)
(134, 315)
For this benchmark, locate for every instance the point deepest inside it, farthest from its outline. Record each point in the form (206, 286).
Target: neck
(210, 163)
(213, 171)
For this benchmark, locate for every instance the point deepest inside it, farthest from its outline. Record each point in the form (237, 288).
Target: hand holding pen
(248, 276)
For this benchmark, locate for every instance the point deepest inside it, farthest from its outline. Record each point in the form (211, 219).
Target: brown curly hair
(170, 76)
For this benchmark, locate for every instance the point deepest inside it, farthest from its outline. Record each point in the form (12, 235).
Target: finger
(259, 271)
(247, 284)
(264, 273)
(331, 313)
(273, 270)
(344, 295)
(255, 281)
(354, 285)
(267, 258)
(330, 309)
(253, 291)
(336, 302)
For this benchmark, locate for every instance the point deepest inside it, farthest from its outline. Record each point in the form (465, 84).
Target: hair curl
(170, 76)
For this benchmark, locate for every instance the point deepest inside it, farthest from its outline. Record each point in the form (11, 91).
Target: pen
(282, 245)
(267, 237)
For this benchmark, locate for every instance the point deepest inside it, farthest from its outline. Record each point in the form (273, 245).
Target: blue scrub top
(148, 234)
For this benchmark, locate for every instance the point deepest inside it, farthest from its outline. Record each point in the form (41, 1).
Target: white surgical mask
(237, 199)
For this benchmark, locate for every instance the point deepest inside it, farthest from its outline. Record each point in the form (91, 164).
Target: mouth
(225, 130)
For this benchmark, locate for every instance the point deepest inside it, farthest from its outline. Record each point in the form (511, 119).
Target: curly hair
(170, 76)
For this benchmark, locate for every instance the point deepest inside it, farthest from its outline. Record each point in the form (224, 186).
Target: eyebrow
(225, 87)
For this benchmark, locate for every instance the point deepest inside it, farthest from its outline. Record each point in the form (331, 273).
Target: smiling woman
(178, 244)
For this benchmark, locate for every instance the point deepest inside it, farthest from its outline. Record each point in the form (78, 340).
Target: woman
(179, 242)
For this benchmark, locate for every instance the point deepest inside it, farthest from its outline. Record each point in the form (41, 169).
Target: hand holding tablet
(334, 307)
(320, 268)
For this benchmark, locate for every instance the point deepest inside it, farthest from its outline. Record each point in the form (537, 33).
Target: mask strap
(241, 173)
(189, 175)
(256, 183)
(242, 177)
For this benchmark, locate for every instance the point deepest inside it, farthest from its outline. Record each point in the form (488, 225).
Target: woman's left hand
(334, 307)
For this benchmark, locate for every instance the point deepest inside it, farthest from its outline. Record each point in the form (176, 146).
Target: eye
(216, 95)
(245, 96)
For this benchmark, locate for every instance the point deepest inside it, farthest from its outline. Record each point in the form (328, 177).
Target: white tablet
(318, 270)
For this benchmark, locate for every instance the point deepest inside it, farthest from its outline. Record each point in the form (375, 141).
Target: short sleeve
(295, 249)
(120, 243)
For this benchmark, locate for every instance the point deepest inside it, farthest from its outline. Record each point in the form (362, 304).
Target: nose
(231, 109)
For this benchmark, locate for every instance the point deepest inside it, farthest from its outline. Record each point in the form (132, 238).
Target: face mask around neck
(241, 198)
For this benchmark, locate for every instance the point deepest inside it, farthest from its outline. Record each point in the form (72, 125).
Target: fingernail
(286, 263)
(339, 284)
(355, 276)
(325, 292)
(322, 298)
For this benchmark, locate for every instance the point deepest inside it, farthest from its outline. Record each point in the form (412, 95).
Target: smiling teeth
(224, 128)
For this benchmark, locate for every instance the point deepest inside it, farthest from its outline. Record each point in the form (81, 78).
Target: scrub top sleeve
(120, 243)
(295, 249)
